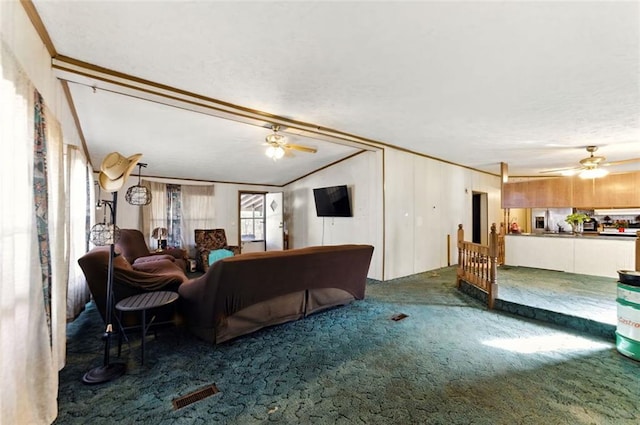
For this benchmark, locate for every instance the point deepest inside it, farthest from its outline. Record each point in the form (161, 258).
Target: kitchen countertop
(585, 235)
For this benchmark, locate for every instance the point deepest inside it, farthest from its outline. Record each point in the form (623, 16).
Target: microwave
(590, 226)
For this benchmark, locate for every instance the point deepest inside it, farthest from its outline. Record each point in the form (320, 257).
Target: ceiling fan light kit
(277, 145)
(274, 152)
(593, 173)
(591, 167)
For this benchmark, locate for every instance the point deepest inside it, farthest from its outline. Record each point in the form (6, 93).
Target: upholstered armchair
(162, 274)
(208, 240)
(134, 249)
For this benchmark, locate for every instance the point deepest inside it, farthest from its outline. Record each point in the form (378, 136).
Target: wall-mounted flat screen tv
(332, 201)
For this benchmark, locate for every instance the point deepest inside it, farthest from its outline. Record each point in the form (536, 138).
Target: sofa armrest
(233, 248)
(202, 259)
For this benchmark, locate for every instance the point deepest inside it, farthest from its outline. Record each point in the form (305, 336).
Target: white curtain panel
(197, 213)
(57, 218)
(155, 214)
(79, 202)
(28, 371)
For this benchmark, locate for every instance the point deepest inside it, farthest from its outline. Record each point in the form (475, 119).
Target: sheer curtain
(155, 214)
(80, 205)
(197, 213)
(28, 368)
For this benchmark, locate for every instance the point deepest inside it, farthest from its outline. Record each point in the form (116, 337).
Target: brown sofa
(129, 279)
(244, 293)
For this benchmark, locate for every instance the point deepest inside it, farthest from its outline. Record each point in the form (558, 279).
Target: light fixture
(593, 173)
(160, 234)
(275, 138)
(275, 141)
(138, 195)
(275, 152)
(104, 233)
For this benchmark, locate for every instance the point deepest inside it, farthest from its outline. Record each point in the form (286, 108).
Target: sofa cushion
(153, 258)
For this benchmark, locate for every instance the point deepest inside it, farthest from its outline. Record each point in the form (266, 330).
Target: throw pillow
(219, 254)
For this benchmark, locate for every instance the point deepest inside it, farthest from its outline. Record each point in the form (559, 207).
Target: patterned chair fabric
(208, 240)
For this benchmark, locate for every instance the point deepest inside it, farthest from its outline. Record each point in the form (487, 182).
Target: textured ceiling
(474, 83)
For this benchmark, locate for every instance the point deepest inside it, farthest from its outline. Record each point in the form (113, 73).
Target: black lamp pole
(108, 371)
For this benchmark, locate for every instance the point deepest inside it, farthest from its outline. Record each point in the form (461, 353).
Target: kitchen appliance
(590, 226)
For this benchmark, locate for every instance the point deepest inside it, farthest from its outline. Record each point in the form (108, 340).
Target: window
(251, 216)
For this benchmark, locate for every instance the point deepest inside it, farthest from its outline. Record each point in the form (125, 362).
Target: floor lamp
(108, 371)
(114, 171)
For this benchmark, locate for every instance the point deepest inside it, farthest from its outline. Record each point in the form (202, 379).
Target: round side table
(144, 302)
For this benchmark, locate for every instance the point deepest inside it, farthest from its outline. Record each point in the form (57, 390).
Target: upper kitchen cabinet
(613, 191)
(540, 193)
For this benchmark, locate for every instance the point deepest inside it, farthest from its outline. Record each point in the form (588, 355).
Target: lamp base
(101, 374)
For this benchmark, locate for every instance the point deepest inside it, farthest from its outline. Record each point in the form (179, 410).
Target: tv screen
(332, 201)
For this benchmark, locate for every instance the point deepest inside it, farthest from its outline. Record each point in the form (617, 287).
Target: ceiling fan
(590, 167)
(278, 145)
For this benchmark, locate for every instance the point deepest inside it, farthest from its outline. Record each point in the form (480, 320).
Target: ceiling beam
(97, 77)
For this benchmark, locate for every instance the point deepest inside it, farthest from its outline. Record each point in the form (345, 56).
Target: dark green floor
(585, 296)
(451, 361)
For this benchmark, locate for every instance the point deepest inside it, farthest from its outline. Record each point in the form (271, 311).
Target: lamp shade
(138, 195)
(159, 233)
(104, 234)
(275, 152)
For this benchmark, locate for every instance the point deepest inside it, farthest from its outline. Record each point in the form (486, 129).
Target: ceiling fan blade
(624, 161)
(301, 148)
(560, 170)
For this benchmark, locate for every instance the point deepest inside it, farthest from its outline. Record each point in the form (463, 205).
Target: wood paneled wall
(613, 191)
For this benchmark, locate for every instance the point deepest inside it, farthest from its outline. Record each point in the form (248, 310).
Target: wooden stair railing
(477, 264)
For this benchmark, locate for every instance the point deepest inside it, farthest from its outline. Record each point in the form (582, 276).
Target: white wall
(363, 176)
(34, 59)
(425, 200)
(225, 209)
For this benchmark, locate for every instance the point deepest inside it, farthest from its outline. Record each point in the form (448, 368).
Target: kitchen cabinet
(540, 193)
(613, 191)
(590, 255)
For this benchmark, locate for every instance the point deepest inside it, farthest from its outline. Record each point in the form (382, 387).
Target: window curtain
(28, 364)
(81, 213)
(197, 213)
(174, 215)
(155, 214)
(53, 162)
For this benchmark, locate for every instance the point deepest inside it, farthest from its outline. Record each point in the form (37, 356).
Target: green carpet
(451, 361)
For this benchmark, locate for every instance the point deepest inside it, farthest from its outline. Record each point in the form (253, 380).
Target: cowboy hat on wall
(115, 169)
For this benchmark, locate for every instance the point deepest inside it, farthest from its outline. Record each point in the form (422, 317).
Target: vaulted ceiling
(195, 86)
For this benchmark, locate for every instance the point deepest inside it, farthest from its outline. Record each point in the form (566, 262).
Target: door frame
(264, 224)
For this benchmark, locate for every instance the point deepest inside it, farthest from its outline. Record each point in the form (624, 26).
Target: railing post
(460, 272)
(638, 251)
(501, 247)
(493, 267)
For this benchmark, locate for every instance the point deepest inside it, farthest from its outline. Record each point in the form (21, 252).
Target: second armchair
(208, 240)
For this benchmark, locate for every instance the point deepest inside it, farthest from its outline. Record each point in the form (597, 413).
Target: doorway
(479, 224)
(261, 221)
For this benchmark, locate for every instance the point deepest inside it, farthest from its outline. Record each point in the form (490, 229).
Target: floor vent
(202, 393)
